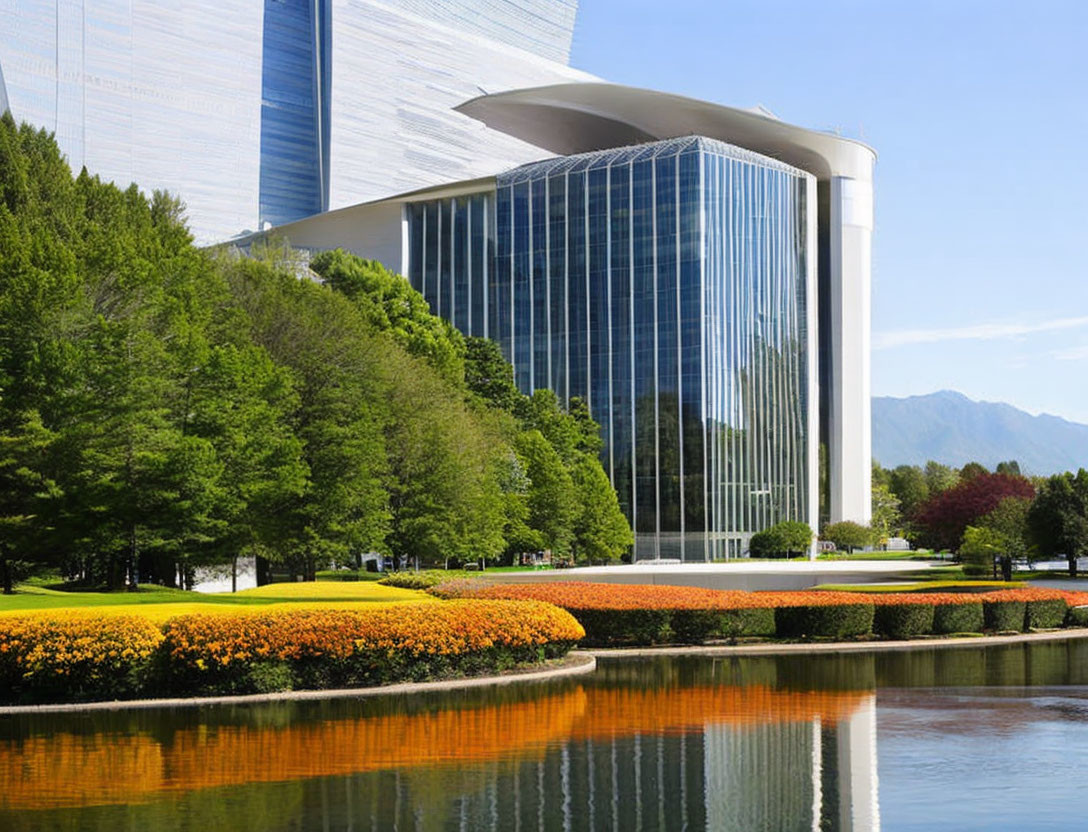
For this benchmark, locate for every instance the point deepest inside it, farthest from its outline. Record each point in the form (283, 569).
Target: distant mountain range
(949, 427)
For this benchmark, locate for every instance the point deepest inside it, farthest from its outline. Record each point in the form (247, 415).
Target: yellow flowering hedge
(320, 648)
(81, 654)
(86, 655)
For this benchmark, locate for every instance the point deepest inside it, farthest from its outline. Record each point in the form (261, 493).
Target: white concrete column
(850, 440)
(812, 351)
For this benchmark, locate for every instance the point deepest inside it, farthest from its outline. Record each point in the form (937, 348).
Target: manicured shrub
(420, 580)
(84, 656)
(332, 647)
(903, 620)
(632, 614)
(769, 543)
(694, 626)
(824, 620)
(1045, 614)
(1001, 608)
(958, 617)
(1002, 615)
(606, 627)
(756, 621)
(1077, 617)
(75, 655)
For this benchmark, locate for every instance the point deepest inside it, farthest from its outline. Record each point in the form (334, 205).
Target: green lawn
(922, 586)
(30, 597)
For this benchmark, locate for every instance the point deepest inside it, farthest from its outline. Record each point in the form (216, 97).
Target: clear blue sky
(978, 110)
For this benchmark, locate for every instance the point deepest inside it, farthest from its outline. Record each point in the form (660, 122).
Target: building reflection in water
(628, 749)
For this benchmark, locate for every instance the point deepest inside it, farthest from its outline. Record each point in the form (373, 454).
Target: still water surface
(990, 739)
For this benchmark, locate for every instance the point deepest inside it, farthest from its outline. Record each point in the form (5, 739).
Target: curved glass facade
(668, 285)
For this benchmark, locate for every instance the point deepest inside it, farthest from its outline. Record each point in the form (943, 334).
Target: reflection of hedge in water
(68, 769)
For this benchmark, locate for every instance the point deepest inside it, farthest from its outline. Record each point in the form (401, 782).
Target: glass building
(670, 286)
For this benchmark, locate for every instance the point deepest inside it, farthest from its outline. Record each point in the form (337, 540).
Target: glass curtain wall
(664, 284)
(294, 180)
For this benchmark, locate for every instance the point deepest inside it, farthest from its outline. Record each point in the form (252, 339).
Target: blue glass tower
(294, 178)
(670, 286)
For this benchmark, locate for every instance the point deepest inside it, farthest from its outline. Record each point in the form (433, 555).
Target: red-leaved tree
(943, 517)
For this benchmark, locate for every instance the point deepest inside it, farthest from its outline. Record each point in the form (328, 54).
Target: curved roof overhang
(585, 116)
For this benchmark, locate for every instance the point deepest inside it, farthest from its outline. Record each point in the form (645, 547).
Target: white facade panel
(850, 441)
(372, 231)
(543, 27)
(396, 77)
(166, 95)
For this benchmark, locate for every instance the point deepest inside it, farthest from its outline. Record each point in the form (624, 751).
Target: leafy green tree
(551, 499)
(796, 536)
(445, 498)
(880, 475)
(564, 432)
(390, 304)
(601, 532)
(940, 477)
(514, 486)
(489, 375)
(337, 367)
(910, 486)
(1058, 518)
(589, 432)
(972, 470)
(1010, 521)
(944, 517)
(1010, 467)
(847, 535)
(886, 517)
(242, 403)
(978, 549)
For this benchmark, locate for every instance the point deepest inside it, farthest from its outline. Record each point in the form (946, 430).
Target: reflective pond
(984, 738)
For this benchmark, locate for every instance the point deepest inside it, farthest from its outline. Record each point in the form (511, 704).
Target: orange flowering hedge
(648, 614)
(74, 654)
(322, 648)
(1024, 609)
(81, 655)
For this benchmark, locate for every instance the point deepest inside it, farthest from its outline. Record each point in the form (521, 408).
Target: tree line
(984, 515)
(164, 407)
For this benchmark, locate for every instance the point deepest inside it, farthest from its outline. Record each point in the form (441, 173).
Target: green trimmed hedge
(422, 580)
(824, 621)
(1045, 615)
(958, 618)
(747, 622)
(624, 627)
(901, 621)
(1076, 617)
(1001, 616)
(697, 626)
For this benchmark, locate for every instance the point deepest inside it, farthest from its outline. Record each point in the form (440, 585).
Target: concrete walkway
(741, 574)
